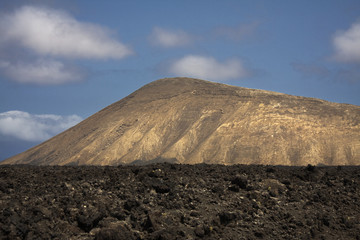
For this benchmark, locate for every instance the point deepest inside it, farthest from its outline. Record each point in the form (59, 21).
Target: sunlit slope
(196, 121)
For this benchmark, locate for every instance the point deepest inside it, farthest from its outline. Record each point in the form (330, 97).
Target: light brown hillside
(194, 121)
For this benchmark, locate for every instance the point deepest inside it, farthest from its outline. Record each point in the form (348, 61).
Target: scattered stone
(130, 204)
(179, 202)
(240, 181)
(227, 217)
(199, 231)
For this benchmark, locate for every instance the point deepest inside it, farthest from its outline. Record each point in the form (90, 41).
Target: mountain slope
(195, 121)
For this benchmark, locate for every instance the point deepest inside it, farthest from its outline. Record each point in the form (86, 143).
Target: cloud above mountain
(41, 72)
(52, 32)
(345, 59)
(208, 68)
(33, 127)
(170, 38)
(54, 35)
(347, 44)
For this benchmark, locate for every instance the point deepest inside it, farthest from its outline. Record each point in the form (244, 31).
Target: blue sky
(62, 61)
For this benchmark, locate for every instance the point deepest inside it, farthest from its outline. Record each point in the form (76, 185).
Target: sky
(62, 61)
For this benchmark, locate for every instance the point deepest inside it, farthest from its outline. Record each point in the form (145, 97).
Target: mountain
(193, 121)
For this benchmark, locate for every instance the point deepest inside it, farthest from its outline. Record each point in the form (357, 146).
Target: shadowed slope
(197, 121)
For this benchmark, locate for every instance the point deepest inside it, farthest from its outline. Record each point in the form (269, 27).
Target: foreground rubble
(169, 201)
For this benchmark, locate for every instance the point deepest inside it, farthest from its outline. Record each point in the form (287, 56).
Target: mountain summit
(193, 121)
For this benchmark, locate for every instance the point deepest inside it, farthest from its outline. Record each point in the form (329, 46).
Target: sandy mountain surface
(184, 120)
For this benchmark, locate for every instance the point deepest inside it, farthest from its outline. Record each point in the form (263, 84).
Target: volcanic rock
(191, 121)
(119, 203)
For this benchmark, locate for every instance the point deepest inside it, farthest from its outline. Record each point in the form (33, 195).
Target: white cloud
(31, 127)
(208, 68)
(170, 38)
(55, 33)
(41, 72)
(347, 44)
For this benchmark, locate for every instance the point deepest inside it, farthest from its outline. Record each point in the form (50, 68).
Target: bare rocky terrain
(204, 130)
(171, 201)
(194, 121)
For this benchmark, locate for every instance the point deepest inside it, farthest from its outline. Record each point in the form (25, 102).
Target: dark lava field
(170, 201)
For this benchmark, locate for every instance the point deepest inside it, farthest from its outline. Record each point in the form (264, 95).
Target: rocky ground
(168, 201)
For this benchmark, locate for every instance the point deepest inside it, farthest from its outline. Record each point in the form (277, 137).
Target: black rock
(179, 202)
(240, 181)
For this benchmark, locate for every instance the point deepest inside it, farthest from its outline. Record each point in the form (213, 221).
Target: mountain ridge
(197, 121)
